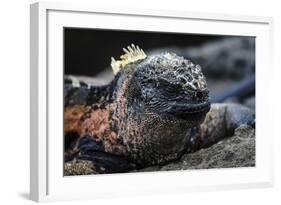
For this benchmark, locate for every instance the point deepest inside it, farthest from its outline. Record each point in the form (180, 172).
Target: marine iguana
(151, 113)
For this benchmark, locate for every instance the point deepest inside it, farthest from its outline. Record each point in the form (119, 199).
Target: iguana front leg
(220, 122)
(91, 157)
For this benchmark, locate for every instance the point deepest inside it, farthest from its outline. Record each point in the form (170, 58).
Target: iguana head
(173, 86)
(157, 99)
(166, 84)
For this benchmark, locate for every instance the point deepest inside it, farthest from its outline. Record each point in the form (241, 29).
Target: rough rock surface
(79, 167)
(235, 151)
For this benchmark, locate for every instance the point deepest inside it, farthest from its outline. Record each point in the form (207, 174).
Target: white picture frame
(47, 182)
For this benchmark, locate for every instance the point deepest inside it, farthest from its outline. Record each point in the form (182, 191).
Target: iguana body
(149, 114)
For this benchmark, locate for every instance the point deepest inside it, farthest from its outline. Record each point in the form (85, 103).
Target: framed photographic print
(122, 97)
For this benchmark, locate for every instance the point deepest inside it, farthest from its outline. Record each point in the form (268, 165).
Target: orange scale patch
(72, 117)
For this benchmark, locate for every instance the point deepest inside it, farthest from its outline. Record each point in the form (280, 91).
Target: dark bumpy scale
(151, 113)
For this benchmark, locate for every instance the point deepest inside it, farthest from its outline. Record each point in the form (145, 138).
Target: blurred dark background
(88, 51)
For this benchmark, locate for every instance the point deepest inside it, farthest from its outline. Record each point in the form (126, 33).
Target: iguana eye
(168, 89)
(163, 82)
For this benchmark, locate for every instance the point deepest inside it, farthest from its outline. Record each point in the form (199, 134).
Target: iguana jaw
(192, 114)
(186, 109)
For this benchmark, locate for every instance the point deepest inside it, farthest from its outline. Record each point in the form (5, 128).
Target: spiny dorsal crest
(132, 54)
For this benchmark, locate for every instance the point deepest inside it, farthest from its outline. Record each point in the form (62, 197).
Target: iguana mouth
(180, 109)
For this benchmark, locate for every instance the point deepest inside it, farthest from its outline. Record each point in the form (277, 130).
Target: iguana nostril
(199, 94)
